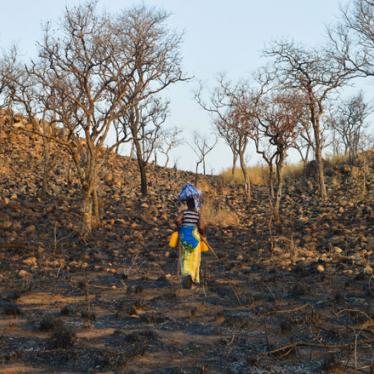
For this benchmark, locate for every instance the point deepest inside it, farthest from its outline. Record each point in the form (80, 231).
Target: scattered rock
(368, 269)
(24, 274)
(30, 261)
(338, 250)
(320, 268)
(30, 229)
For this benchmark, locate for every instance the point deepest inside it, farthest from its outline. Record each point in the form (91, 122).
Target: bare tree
(348, 122)
(93, 71)
(278, 116)
(145, 122)
(26, 96)
(202, 146)
(169, 140)
(157, 65)
(226, 131)
(316, 75)
(232, 109)
(87, 72)
(353, 38)
(8, 69)
(304, 143)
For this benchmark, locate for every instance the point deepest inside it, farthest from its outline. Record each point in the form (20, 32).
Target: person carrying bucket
(191, 236)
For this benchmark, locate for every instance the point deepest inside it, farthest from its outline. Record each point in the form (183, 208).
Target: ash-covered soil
(115, 305)
(297, 297)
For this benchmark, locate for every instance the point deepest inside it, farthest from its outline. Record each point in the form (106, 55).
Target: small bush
(203, 185)
(257, 175)
(218, 216)
(293, 171)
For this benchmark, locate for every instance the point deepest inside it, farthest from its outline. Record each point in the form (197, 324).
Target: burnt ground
(292, 298)
(114, 306)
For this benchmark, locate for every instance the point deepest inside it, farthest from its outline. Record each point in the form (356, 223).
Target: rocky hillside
(291, 297)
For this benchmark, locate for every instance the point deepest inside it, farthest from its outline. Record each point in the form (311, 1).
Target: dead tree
(348, 122)
(304, 144)
(94, 70)
(316, 75)
(7, 71)
(157, 65)
(144, 122)
(278, 119)
(202, 146)
(168, 141)
(226, 131)
(352, 39)
(86, 69)
(29, 98)
(231, 107)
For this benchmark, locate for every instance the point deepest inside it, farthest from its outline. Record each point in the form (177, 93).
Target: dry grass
(203, 185)
(257, 175)
(218, 216)
(293, 171)
(337, 159)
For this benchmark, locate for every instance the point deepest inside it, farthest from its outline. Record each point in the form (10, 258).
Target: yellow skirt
(190, 258)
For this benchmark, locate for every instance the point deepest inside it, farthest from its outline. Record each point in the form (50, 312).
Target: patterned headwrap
(190, 191)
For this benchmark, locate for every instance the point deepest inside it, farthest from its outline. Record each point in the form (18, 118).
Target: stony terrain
(296, 297)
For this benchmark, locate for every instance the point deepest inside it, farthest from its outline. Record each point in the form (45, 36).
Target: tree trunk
(204, 172)
(132, 150)
(271, 181)
(247, 183)
(143, 178)
(167, 161)
(315, 120)
(234, 160)
(46, 166)
(319, 160)
(90, 206)
(116, 148)
(278, 188)
(142, 168)
(87, 211)
(196, 171)
(306, 159)
(96, 205)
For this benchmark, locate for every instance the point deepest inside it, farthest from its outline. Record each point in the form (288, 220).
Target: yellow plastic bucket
(204, 246)
(173, 241)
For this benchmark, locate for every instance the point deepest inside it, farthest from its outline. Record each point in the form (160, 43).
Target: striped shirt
(191, 217)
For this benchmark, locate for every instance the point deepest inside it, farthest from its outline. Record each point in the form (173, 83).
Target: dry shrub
(293, 171)
(355, 172)
(257, 175)
(4, 170)
(203, 185)
(335, 181)
(336, 160)
(218, 216)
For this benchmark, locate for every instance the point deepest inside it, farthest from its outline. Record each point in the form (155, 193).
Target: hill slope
(290, 302)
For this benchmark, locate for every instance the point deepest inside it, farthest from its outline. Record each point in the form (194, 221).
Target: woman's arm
(179, 219)
(202, 225)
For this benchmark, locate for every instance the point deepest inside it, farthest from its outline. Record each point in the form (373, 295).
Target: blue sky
(219, 36)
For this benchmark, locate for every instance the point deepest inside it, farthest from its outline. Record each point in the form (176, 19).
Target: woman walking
(191, 232)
